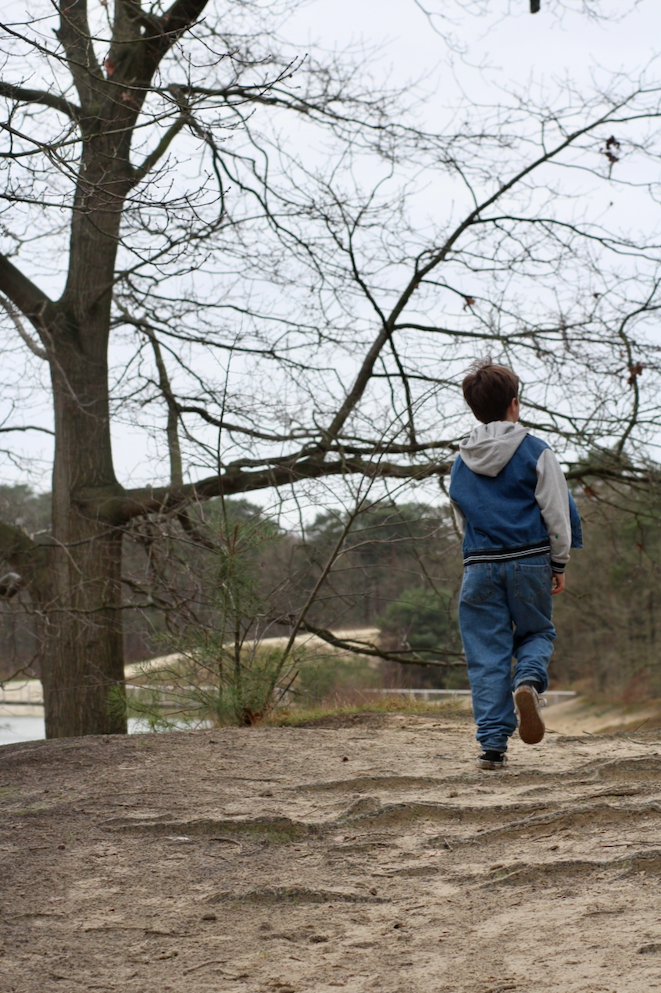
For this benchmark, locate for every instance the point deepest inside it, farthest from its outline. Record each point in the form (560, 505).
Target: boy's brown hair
(489, 390)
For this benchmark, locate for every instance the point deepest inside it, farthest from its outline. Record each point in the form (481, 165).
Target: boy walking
(511, 501)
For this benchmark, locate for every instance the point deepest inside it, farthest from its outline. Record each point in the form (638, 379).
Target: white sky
(511, 45)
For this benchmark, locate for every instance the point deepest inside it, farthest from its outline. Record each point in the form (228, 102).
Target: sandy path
(369, 857)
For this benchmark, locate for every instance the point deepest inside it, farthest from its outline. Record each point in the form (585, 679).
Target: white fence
(552, 696)
(28, 693)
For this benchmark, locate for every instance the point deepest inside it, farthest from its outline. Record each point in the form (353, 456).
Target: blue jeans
(505, 611)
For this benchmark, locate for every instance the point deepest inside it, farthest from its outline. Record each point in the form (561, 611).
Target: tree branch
(22, 95)
(182, 14)
(160, 149)
(219, 422)
(30, 300)
(28, 427)
(134, 503)
(162, 33)
(74, 34)
(368, 648)
(10, 309)
(172, 430)
(148, 500)
(366, 447)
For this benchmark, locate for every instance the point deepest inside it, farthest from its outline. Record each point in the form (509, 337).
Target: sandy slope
(579, 716)
(372, 856)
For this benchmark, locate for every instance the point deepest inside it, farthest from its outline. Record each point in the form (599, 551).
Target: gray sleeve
(552, 497)
(459, 517)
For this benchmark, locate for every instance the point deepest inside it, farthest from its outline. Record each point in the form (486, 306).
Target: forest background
(402, 573)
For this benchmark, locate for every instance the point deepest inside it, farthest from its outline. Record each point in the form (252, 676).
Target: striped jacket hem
(513, 552)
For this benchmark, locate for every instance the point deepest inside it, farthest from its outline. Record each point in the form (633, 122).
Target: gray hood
(489, 447)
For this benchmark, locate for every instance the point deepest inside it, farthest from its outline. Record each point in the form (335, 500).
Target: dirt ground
(369, 856)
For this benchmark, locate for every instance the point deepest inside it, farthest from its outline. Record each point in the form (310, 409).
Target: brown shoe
(528, 709)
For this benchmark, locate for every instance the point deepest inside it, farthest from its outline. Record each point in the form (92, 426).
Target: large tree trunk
(84, 675)
(83, 672)
(84, 681)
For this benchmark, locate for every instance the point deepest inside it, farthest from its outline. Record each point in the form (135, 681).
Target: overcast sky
(512, 46)
(507, 49)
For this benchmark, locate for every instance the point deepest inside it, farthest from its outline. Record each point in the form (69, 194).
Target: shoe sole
(492, 766)
(531, 725)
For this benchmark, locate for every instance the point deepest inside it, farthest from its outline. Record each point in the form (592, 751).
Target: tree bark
(87, 668)
(84, 617)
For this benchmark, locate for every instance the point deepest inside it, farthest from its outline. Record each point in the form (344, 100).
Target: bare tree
(298, 316)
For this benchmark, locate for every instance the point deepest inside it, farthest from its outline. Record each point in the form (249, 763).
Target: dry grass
(340, 705)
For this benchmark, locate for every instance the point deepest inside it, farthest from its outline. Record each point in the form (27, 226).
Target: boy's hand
(557, 583)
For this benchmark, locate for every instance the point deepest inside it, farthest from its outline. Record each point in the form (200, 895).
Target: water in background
(14, 729)
(21, 729)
